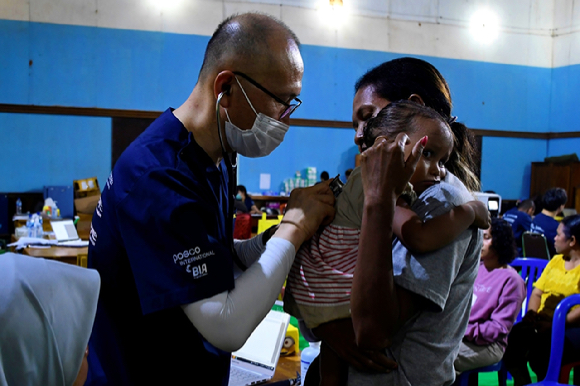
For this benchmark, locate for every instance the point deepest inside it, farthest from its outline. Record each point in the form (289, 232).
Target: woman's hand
(385, 172)
(339, 335)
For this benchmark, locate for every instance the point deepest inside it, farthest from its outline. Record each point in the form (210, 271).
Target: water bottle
(18, 206)
(29, 226)
(307, 356)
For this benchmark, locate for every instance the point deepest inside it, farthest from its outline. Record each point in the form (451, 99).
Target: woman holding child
(409, 309)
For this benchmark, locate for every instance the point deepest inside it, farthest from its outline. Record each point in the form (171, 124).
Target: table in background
(286, 369)
(63, 254)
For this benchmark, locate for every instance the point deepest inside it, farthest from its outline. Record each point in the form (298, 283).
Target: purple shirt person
(498, 293)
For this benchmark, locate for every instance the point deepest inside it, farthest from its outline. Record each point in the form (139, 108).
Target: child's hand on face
(482, 215)
(385, 172)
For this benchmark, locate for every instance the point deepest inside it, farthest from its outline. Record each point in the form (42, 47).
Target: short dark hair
(397, 117)
(527, 205)
(347, 172)
(502, 241)
(554, 198)
(243, 35)
(324, 176)
(399, 78)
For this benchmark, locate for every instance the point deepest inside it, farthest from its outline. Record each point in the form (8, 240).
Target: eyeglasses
(290, 107)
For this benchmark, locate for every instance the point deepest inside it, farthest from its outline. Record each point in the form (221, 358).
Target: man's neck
(550, 213)
(197, 114)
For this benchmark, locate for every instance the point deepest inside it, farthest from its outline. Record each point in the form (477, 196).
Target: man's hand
(307, 210)
(385, 172)
(339, 335)
(482, 215)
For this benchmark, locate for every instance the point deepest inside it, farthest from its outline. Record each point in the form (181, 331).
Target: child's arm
(422, 237)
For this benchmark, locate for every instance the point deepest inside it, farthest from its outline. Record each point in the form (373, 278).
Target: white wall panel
(129, 14)
(14, 10)
(532, 32)
(64, 12)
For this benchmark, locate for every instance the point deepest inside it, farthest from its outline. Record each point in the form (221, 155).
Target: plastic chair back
(556, 352)
(264, 223)
(463, 378)
(531, 270)
(535, 245)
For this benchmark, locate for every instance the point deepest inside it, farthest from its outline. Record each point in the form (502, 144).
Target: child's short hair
(398, 117)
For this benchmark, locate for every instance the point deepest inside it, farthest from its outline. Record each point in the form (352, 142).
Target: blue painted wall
(126, 69)
(507, 166)
(39, 150)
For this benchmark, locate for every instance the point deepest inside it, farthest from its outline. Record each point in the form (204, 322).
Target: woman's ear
(223, 84)
(417, 99)
(573, 242)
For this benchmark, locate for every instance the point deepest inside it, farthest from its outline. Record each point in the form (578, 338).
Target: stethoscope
(231, 161)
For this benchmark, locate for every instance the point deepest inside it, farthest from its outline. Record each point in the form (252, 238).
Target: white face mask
(265, 135)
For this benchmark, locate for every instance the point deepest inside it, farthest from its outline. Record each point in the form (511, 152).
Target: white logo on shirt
(93, 236)
(110, 181)
(197, 270)
(100, 208)
(191, 255)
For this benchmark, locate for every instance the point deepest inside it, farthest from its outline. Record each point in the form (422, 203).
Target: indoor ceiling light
(484, 26)
(332, 12)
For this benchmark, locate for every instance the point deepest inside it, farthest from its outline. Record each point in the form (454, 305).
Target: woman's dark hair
(242, 188)
(395, 118)
(462, 161)
(572, 226)
(400, 78)
(502, 241)
(554, 198)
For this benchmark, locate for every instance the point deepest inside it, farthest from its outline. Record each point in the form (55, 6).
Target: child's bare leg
(333, 370)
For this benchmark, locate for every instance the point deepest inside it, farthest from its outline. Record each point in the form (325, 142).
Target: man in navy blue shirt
(553, 201)
(520, 218)
(178, 294)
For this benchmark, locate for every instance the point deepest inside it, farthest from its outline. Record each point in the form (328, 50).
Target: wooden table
(286, 369)
(64, 254)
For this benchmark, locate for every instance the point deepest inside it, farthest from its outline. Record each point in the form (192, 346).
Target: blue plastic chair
(532, 269)
(463, 379)
(556, 352)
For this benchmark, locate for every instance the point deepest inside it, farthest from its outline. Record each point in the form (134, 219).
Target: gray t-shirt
(426, 346)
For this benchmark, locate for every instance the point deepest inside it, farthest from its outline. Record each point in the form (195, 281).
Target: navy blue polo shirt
(520, 222)
(547, 226)
(159, 241)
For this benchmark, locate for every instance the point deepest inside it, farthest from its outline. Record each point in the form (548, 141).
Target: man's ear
(223, 83)
(417, 99)
(573, 241)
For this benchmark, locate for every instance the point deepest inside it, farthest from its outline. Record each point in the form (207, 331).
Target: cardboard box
(87, 205)
(87, 195)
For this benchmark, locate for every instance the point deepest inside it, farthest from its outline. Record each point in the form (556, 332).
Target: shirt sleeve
(502, 317)
(170, 235)
(432, 274)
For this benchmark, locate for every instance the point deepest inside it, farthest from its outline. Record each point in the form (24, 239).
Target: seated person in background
(553, 202)
(247, 200)
(47, 309)
(498, 294)
(520, 218)
(319, 283)
(530, 339)
(347, 174)
(324, 176)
